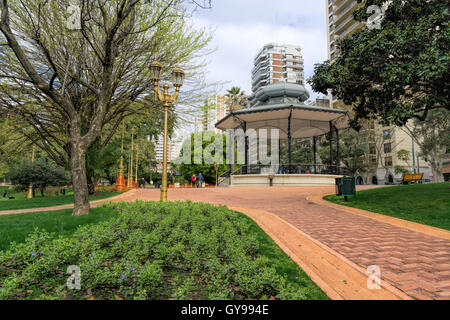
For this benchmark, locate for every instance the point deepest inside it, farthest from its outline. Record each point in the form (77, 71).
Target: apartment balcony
(339, 4)
(259, 85)
(260, 57)
(259, 69)
(344, 24)
(345, 12)
(296, 60)
(258, 78)
(352, 29)
(297, 67)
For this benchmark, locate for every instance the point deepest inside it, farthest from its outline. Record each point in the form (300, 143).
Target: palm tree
(236, 99)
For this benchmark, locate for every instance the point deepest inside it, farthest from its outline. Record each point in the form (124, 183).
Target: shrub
(40, 174)
(152, 250)
(105, 188)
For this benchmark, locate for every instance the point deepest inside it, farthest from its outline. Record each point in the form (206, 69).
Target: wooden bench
(411, 177)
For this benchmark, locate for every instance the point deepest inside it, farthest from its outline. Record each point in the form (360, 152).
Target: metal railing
(295, 168)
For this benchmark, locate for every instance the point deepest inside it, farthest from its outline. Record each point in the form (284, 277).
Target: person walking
(194, 180)
(201, 180)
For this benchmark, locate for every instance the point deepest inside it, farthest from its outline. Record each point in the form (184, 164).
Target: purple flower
(122, 276)
(120, 232)
(33, 254)
(133, 269)
(40, 253)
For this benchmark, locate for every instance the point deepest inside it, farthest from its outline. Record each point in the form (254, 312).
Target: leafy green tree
(62, 86)
(103, 157)
(433, 138)
(405, 156)
(397, 72)
(40, 174)
(207, 170)
(354, 149)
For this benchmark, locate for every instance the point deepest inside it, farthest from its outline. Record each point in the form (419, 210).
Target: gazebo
(281, 106)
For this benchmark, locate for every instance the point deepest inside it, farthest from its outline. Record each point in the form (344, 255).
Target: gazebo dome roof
(281, 91)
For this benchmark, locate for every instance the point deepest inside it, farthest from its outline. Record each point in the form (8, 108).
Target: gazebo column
(245, 169)
(289, 143)
(315, 154)
(338, 164)
(279, 155)
(331, 147)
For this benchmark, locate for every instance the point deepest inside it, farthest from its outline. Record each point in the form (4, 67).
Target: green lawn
(16, 227)
(41, 202)
(422, 203)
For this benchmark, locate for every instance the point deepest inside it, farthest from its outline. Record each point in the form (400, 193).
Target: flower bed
(152, 250)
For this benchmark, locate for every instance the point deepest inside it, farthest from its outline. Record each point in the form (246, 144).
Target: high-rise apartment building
(215, 110)
(340, 22)
(173, 149)
(385, 141)
(275, 63)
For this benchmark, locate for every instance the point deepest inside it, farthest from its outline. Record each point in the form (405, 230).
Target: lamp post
(30, 187)
(130, 172)
(120, 181)
(137, 159)
(167, 100)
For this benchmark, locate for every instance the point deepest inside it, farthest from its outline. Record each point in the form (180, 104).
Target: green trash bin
(348, 187)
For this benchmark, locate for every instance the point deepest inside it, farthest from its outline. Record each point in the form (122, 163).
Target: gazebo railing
(295, 168)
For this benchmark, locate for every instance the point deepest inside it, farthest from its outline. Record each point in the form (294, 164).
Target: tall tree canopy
(397, 72)
(61, 86)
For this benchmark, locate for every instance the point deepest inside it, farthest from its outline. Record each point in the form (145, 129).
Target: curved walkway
(127, 196)
(335, 244)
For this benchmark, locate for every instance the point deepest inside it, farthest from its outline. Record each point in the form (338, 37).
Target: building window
(388, 161)
(387, 134)
(372, 149)
(387, 148)
(373, 160)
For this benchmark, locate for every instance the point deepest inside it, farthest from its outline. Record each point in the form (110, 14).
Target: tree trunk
(79, 180)
(92, 184)
(437, 168)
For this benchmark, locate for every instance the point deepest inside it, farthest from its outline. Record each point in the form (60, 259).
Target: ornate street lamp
(167, 100)
(30, 187)
(130, 171)
(137, 159)
(120, 180)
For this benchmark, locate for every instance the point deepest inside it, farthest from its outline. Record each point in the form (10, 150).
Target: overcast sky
(242, 27)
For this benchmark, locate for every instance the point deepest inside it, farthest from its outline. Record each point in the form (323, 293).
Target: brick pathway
(415, 262)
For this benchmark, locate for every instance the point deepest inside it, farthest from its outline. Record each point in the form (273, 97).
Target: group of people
(198, 181)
